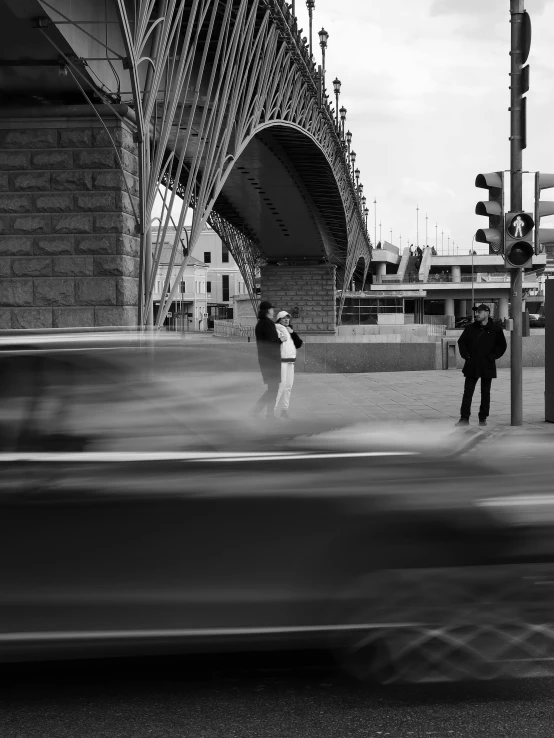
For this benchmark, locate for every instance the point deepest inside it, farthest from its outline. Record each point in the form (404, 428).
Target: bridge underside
(281, 189)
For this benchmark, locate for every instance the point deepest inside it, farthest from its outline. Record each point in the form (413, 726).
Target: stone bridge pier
(307, 290)
(69, 254)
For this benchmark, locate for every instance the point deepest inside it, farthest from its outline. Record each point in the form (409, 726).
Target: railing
(228, 329)
(478, 277)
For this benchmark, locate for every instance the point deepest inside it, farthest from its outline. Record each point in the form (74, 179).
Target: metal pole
(417, 227)
(516, 199)
(310, 12)
(426, 236)
(323, 75)
(442, 243)
(472, 279)
(375, 220)
(380, 236)
(436, 236)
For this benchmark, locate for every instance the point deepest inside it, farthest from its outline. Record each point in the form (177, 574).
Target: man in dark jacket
(269, 358)
(480, 345)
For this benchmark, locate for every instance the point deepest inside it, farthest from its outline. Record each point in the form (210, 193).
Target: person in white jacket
(290, 342)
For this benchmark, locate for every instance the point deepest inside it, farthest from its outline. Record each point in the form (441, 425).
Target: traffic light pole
(516, 204)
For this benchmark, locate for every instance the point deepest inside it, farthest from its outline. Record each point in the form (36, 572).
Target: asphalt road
(266, 696)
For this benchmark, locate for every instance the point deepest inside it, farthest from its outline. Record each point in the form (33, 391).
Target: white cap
(282, 314)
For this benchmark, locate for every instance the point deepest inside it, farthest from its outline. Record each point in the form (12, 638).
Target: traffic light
(493, 208)
(543, 236)
(519, 240)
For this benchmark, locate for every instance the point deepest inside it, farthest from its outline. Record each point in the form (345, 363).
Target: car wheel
(416, 626)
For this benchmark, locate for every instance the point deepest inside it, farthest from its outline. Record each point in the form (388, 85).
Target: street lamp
(375, 221)
(366, 213)
(357, 173)
(348, 142)
(323, 37)
(336, 90)
(342, 112)
(364, 201)
(310, 4)
(353, 161)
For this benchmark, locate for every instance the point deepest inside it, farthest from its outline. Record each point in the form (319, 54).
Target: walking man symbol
(517, 225)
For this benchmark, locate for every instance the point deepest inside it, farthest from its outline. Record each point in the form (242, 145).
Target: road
(266, 696)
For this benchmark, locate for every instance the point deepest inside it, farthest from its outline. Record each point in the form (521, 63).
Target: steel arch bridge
(217, 86)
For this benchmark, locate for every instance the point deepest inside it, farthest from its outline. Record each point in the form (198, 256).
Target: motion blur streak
(144, 510)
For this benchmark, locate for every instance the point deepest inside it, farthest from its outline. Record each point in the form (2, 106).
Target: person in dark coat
(269, 358)
(481, 343)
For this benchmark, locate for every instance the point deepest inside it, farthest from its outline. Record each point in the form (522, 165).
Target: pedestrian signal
(493, 208)
(519, 240)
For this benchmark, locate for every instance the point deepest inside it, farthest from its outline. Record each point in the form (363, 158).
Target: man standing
(480, 345)
(269, 358)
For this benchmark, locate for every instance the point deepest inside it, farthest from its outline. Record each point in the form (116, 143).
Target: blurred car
(142, 510)
(536, 320)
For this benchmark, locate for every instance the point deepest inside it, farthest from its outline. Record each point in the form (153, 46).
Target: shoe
(463, 421)
(285, 414)
(482, 421)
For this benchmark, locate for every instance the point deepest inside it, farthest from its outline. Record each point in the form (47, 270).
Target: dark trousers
(269, 397)
(469, 389)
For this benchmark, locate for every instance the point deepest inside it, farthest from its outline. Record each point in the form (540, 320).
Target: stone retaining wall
(68, 245)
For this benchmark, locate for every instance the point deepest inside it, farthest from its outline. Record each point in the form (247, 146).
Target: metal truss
(206, 77)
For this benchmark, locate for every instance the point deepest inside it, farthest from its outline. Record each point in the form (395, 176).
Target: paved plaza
(433, 396)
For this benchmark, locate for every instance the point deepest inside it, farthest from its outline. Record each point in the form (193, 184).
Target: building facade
(436, 289)
(213, 269)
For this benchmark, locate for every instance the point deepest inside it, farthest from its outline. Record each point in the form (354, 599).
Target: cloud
(480, 8)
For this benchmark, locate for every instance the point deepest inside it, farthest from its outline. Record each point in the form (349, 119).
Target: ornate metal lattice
(205, 77)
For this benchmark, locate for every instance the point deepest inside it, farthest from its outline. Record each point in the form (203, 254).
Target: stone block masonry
(311, 289)
(69, 253)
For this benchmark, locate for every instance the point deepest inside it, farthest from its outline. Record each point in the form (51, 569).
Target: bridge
(213, 107)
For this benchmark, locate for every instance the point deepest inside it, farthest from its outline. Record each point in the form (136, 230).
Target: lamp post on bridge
(323, 37)
(353, 162)
(310, 4)
(336, 89)
(342, 112)
(348, 142)
(361, 192)
(375, 221)
(366, 213)
(357, 175)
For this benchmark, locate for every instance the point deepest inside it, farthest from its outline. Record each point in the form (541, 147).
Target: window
(225, 257)
(209, 287)
(225, 286)
(207, 257)
(183, 287)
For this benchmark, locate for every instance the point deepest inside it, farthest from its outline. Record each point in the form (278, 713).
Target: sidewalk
(432, 396)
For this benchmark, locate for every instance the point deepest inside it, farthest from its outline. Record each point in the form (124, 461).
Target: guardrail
(478, 278)
(228, 329)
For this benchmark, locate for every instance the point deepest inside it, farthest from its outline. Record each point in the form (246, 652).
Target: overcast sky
(425, 84)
